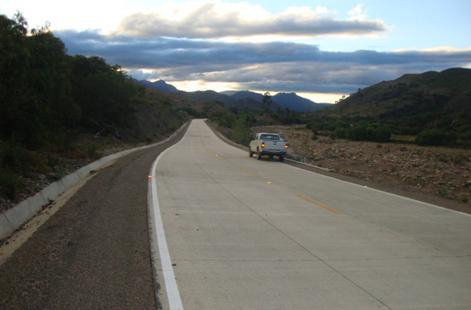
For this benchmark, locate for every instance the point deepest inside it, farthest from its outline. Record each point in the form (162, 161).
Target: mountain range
(241, 99)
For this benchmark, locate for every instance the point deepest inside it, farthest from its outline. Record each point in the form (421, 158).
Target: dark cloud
(217, 20)
(273, 66)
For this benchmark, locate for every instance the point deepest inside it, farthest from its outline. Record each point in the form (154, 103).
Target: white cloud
(217, 19)
(436, 49)
(357, 13)
(322, 97)
(78, 15)
(195, 85)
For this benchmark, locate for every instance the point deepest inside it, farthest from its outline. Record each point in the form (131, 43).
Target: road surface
(249, 234)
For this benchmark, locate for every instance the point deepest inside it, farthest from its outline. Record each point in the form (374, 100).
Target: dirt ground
(441, 175)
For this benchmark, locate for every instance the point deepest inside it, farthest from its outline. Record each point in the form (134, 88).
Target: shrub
(370, 132)
(14, 157)
(435, 137)
(241, 132)
(10, 184)
(223, 119)
(341, 133)
(92, 151)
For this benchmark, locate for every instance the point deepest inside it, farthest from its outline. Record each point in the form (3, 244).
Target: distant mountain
(283, 100)
(241, 99)
(245, 94)
(296, 103)
(160, 85)
(414, 102)
(206, 96)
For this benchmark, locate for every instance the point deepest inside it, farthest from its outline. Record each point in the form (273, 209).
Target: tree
(104, 93)
(267, 102)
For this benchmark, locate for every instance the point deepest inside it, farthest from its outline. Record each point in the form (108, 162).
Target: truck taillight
(286, 145)
(263, 144)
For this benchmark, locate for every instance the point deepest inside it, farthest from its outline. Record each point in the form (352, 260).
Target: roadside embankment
(13, 218)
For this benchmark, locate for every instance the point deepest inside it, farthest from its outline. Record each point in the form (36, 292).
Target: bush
(341, 133)
(223, 119)
(10, 184)
(92, 151)
(370, 132)
(381, 134)
(241, 132)
(435, 137)
(14, 157)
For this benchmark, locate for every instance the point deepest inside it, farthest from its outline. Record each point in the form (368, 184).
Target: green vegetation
(433, 108)
(435, 137)
(44, 91)
(364, 132)
(356, 131)
(237, 126)
(49, 100)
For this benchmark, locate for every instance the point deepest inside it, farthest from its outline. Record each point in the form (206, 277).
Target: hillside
(159, 85)
(83, 109)
(411, 104)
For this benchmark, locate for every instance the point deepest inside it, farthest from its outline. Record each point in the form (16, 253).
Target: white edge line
(358, 185)
(380, 191)
(159, 247)
(308, 165)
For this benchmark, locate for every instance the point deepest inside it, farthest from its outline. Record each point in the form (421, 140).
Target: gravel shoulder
(94, 252)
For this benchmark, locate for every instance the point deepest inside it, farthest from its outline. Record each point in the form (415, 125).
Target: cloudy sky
(319, 49)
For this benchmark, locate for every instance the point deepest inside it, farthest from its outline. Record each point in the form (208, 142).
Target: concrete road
(249, 234)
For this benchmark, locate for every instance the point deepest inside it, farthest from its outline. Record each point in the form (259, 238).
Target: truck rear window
(270, 137)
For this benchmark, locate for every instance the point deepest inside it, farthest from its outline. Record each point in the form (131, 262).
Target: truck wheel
(281, 158)
(250, 153)
(259, 155)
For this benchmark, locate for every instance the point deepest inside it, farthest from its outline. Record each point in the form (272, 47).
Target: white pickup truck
(271, 144)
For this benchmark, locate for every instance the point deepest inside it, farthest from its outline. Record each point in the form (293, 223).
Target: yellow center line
(316, 203)
(247, 171)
